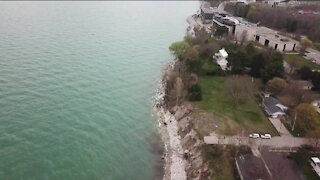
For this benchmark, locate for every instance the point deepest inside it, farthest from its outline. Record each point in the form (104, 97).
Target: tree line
(280, 18)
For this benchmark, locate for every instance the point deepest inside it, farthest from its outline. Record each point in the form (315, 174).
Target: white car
(266, 136)
(254, 135)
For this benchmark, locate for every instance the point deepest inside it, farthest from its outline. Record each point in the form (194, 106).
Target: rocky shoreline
(183, 147)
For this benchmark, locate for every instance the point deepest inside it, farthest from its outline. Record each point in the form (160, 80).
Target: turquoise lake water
(76, 87)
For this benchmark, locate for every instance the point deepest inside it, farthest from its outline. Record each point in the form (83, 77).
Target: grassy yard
(300, 61)
(216, 102)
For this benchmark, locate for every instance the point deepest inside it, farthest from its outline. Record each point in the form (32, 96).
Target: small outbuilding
(221, 58)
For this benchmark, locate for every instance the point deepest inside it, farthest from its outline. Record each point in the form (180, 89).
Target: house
(301, 84)
(272, 106)
(315, 163)
(221, 58)
(207, 12)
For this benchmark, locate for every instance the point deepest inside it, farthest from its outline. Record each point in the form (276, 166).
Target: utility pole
(280, 126)
(294, 122)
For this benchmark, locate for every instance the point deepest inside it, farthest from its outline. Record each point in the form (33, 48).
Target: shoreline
(182, 146)
(174, 166)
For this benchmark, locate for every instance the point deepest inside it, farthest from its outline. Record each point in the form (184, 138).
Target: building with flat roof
(265, 36)
(207, 12)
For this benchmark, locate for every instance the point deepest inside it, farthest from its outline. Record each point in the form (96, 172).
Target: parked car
(254, 135)
(266, 136)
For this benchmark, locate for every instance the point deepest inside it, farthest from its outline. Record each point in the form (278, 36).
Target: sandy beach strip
(175, 164)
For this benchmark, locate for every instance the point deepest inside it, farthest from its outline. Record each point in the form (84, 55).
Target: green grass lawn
(300, 61)
(248, 116)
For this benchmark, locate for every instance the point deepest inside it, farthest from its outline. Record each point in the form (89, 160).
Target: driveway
(282, 130)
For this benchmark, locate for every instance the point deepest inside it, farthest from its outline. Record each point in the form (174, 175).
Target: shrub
(195, 93)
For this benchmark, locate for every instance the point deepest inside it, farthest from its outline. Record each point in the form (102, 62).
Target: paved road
(277, 142)
(313, 55)
(284, 140)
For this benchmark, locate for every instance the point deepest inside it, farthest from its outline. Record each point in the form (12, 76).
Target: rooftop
(206, 8)
(316, 160)
(271, 34)
(273, 104)
(223, 53)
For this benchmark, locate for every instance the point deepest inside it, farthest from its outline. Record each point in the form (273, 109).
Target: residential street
(284, 140)
(277, 142)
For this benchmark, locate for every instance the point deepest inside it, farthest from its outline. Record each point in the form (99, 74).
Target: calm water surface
(76, 87)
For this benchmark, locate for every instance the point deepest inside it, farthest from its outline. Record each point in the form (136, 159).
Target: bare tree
(243, 37)
(292, 96)
(239, 88)
(193, 79)
(293, 66)
(179, 89)
(305, 43)
(314, 138)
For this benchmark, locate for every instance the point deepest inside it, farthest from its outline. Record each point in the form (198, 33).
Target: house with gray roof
(272, 106)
